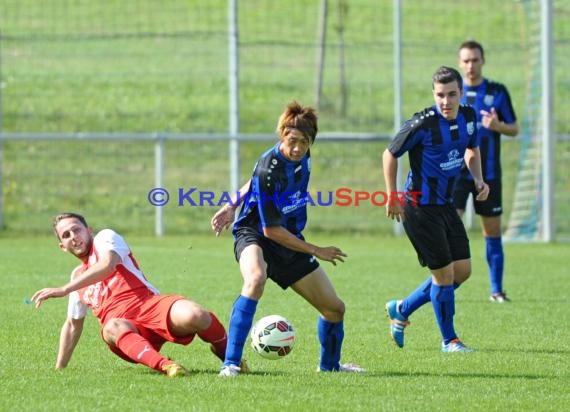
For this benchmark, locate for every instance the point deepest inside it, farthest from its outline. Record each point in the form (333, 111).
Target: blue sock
(418, 298)
(443, 302)
(496, 261)
(331, 336)
(241, 320)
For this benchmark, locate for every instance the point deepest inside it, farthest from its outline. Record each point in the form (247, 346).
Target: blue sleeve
(474, 141)
(505, 110)
(471, 126)
(409, 136)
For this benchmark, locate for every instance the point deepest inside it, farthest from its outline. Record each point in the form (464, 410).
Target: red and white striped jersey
(119, 293)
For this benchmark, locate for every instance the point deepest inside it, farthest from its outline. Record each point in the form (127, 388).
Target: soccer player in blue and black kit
(438, 140)
(495, 116)
(269, 242)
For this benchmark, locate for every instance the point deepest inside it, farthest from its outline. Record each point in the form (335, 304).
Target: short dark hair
(68, 215)
(472, 44)
(446, 75)
(302, 118)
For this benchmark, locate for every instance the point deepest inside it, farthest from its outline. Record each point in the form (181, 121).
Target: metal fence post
(159, 182)
(1, 143)
(234, 94)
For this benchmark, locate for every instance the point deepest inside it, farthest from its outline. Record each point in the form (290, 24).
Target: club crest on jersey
(470, 128)
(488, 99)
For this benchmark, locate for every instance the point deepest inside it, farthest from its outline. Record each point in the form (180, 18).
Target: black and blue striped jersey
(277, 195)
(485, 96)
(435, 147)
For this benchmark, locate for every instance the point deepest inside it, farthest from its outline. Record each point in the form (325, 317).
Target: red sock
(140, 350)
(216, 336)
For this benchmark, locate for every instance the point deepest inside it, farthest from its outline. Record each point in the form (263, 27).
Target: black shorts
(493, 206)
(437, 234)
(284, 266)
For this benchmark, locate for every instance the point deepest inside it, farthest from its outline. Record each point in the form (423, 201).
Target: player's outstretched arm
(68, 338)
(106, 264)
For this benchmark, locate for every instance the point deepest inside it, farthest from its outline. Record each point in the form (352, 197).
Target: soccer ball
(273, 337)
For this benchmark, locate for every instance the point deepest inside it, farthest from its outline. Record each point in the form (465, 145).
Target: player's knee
(200, 318)
(189, 315)
(461, 277)
(462, 271)
(114, 328)
(254, 285)
(334, 313)
(196, 320)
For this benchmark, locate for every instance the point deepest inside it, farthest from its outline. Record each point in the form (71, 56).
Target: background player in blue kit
(269, 243)
(495, 116)
(438, 140)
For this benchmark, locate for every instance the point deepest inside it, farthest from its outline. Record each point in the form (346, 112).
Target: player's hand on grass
(330, 254)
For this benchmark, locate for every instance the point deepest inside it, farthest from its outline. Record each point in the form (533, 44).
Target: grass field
(149, 66)
(521, 361)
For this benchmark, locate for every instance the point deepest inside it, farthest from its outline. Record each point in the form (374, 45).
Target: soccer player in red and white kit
(135, 319)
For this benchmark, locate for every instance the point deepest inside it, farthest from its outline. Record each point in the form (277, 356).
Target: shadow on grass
(528, 350)
(467, 375)
(213, 372)
(378, 374)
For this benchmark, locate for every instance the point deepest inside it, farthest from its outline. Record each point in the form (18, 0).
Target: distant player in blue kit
(495, 116)
(438, 140)
(269, 242)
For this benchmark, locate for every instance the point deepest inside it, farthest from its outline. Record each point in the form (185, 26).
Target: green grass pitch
(522, 348)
